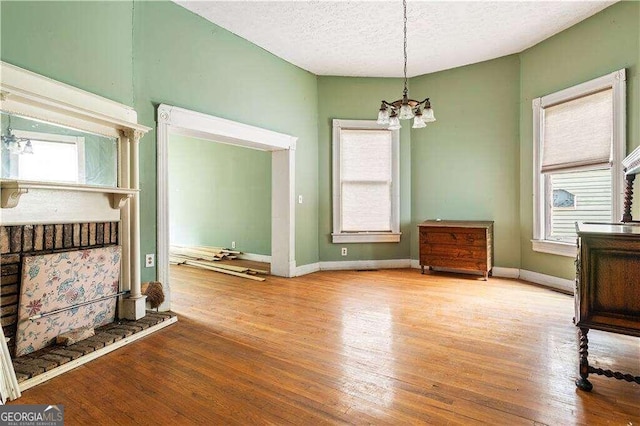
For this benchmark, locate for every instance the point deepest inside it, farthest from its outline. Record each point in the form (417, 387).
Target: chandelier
(13, 144)
(405, 109)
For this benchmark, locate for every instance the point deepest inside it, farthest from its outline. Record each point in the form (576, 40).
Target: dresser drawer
(461, 251)
(454, 236)
(458, 263)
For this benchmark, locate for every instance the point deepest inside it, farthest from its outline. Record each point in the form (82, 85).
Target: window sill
(366, 237)
(554, 247)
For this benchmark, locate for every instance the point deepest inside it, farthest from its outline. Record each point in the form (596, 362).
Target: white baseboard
(255, 257)
(548, 280)
(499, 271)
(365, 264)
(307, 269)
(353, 265)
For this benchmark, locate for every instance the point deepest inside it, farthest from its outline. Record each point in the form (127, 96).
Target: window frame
(338, 236)
(615, 81)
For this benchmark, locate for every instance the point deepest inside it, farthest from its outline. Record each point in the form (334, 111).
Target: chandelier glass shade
(14, 144)
(391, 113)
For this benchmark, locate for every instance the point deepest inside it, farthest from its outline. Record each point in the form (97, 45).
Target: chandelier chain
(404, 6)
(405, 108)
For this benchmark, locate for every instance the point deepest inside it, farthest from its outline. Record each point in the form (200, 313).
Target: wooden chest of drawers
(456, 244)
(607, 288)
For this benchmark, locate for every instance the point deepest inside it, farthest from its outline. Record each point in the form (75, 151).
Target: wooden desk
(607, 288)
(457, 244)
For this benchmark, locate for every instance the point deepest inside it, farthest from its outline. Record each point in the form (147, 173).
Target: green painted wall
(183, 60)
(146, 53)
(214, 198)
(597, 46)
(353, 98)
(465, 165)
(85, 44)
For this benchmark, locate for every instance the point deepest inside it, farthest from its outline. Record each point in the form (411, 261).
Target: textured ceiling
(364, 38)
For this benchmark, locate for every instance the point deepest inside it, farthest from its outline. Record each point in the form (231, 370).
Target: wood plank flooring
(375, 347)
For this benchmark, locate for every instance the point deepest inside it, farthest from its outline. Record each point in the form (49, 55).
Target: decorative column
(133, 308)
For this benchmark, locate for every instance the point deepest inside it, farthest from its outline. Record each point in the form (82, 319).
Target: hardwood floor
(375, 347)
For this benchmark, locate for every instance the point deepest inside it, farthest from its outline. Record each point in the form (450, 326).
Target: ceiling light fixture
(405, 109)
(14, 144)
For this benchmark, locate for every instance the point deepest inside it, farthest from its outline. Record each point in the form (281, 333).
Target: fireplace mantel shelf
(13, 189)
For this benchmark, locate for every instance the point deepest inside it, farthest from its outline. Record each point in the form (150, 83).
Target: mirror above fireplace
(34, 150)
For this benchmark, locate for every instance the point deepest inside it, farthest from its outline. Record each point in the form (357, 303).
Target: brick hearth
(36, 363)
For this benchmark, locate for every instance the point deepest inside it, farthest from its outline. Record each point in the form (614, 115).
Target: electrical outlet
(233, 244)
(343, 251)
(299, 199)
(149, 260)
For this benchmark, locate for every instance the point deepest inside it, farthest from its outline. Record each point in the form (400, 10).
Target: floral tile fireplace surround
(16, 242)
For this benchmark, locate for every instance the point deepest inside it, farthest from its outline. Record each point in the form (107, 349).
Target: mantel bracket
(118, 201)
(11, 197)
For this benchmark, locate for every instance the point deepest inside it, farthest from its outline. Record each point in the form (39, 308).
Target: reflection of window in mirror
(54, 157)
(33, 150)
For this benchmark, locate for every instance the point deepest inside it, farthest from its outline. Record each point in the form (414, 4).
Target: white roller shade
(366, 180)
(578, 133)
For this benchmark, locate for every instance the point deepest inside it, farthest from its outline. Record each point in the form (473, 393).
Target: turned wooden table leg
(422, 268)
(628, 197)
(583, 383)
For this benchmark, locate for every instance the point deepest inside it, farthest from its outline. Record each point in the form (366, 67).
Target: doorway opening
(179, 121)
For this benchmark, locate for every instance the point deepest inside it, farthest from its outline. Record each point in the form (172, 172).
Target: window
(58, 158)
(579, 143)
(366, 182)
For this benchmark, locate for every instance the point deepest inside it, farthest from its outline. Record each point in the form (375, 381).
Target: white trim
(583, 89)
(497, 271)
(632, 162)
(9, 387)
(48, 375)
(33, 95)
(502, 272)
(307, 269)
(198, 125)
(174, 120)
(255, 257)
(548, 281)
(365, 264)
(617, 82)
(554, 247)
(365, 237)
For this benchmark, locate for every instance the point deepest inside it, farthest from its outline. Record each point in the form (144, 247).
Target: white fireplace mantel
(13, 189)
(34, 96)
(31, 95)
